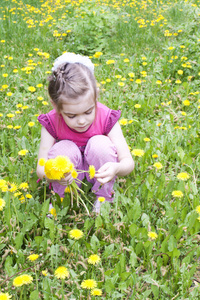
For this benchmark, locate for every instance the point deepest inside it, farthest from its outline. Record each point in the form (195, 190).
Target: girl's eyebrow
(71, 114)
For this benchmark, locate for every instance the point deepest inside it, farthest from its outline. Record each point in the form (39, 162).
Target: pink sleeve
(44, 121)
(113, 118)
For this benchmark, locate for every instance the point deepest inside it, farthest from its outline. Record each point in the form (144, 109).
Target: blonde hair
(70, 81)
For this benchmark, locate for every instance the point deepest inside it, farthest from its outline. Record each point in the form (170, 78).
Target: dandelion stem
(36, 276)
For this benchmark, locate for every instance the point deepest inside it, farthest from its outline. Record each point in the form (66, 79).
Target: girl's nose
(81, 120)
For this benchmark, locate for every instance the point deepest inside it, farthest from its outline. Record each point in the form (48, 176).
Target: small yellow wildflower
(177, 194)
(198, 209)
(2, 203)
(23, 152)
(22, 279)
(96, 292)
(61, 272)
(138, 152)
(158, 165)
(33, 257)
(91, 171)
(94, 259)
(101, 199)
(76, 234)
(183, 176)
(89, 284)
(152, 235)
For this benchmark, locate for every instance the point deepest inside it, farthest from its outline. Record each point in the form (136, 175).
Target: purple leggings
(98, 151)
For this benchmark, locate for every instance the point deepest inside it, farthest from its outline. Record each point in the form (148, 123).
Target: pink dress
(91, 147)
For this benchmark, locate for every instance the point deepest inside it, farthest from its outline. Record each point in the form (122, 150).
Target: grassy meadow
(145, 245)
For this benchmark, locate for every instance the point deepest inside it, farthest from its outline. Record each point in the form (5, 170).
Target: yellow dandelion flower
(10, 115)
(137, 105)
(131, 74)
(74, 174)
(123, 121)
(23, 152)
(109, 62)
(67, 189)
(31, 89)
(198, 209)
(158, 82)
(63, 164)
(42, 162)
(183, 113)
(76, 234)
(45, 103)
(138, 81)
(89, 284)
(5, 296)
(101, 199)
(96, 292)
(177, 194)
(138, 152)
(33, 257)
(22, 279)
(23, 185)
(147, 139)
(126, 60)
(94, 259)
(183, 176)
(44, 273)
(121, 83)
(31, 124)
(158, 165)
(29, 196)
(91, 171)
(186, 102)
(2, 203)
(180, 72)
(40, 98)
(53, 211)
(152, 235)
(61, 272)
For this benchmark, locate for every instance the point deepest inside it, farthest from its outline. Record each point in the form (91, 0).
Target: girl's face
(79, 114)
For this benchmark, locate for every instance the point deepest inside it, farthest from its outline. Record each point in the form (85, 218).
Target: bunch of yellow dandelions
(57, 168)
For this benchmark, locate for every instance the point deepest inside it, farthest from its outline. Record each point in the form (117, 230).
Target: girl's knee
(65, 148)
(99, 144)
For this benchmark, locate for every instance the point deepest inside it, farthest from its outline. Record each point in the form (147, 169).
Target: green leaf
(49, 223)
(108, 250)
(172, 243)
(132, 229)
(34, 295)
(8, 266)
(19, 240)
(133, 259)
(94, 243)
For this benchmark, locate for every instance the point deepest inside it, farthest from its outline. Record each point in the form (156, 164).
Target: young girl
(83, 129)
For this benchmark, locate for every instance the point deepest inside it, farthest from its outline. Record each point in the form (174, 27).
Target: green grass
(154, 40)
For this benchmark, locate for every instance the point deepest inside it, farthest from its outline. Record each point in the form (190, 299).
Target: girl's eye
(88, 112)
(71, 117)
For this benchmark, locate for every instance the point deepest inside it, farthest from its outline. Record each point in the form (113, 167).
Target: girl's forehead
(78, 106)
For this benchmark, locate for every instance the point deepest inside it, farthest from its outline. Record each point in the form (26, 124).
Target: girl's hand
(107, 172)
(67, 180)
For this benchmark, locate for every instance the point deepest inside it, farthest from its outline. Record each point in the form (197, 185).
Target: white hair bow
(69, 57)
